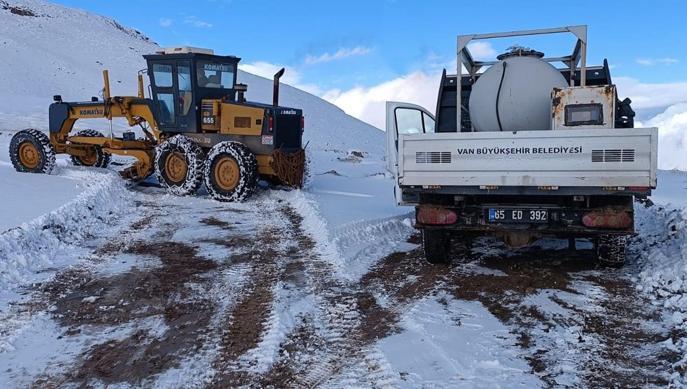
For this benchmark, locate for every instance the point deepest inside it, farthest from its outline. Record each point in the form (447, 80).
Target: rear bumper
(411, 194)
(562, 221)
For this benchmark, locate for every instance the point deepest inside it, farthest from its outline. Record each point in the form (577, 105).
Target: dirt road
(195, 293)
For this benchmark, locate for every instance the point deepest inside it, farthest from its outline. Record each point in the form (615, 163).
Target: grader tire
(231, 172)
(32, 152)
(179, 165)
(98, 158)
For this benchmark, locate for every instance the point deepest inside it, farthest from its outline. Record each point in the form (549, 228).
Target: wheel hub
(89, 159)
(29, 155)
(176, 167)
(226, 173)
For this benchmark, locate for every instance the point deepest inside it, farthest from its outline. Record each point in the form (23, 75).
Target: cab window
(166, 105)
(215, 75)
(413, 121)
(163, 75)
(185, 89)
(409, 121)
(428, 122)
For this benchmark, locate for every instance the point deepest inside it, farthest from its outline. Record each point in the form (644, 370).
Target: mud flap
(289, 167)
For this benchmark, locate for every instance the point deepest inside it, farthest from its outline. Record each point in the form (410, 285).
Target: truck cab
(520, 149)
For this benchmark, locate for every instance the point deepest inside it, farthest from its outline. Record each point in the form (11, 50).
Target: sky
(357, 54)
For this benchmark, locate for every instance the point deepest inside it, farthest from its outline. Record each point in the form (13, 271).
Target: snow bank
(662, 252)
(27, 250)
(32, 195)
(660, 249)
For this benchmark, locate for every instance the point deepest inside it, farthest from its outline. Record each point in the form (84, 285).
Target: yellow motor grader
(198, 129)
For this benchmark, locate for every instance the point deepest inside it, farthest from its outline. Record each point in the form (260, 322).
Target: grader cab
(197, 128)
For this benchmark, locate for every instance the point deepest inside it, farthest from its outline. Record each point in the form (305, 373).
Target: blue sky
(343, 45)
(400, 36)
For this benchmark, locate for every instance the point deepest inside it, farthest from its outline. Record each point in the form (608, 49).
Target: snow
(31, 248)
(347, 206)
(39, 195)
(478, 352)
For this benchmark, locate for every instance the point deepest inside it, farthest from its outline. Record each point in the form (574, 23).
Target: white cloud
(368, 103)
(656, 61)
(482, 51)
(165, 22)
(339, 54)
(651, 95)
(672, 136)
(267, 70)
(195, 22)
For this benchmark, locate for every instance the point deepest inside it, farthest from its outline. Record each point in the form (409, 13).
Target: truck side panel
(580, 158)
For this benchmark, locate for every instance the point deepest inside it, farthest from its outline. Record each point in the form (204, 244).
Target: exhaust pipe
(275, 93)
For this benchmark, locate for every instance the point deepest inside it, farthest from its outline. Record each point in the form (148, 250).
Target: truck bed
(594, 158)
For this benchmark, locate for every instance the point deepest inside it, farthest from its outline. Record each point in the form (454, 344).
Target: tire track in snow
(179, 287)
(250, 318)
(335, 329)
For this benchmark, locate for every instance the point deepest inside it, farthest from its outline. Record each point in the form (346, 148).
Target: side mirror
(57, 98)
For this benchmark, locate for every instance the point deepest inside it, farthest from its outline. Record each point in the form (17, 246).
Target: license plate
(518, 215)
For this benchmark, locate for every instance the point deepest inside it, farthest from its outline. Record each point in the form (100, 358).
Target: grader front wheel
(32, 152)
(179, 165)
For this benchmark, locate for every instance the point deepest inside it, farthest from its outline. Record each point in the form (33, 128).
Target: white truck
(521, 149)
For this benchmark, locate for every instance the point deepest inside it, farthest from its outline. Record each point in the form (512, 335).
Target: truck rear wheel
(436, 245)
(231, 172)
(32, 152)
(611, 250)
(179, 165)
(96, 156)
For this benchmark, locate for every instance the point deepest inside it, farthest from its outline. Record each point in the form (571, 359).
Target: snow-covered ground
(324, 286)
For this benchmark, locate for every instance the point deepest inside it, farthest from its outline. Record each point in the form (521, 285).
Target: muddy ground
(223, 298)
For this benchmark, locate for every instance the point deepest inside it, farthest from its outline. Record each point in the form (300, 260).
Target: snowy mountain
(49, 49)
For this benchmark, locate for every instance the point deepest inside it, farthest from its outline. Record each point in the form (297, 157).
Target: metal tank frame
(578, 56)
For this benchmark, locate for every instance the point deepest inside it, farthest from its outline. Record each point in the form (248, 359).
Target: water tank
(521, 84)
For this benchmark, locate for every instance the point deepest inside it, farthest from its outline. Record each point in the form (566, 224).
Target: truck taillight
(610, 219)
(435, 216)
(302, 123)
(270, 124)
(639, 189)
